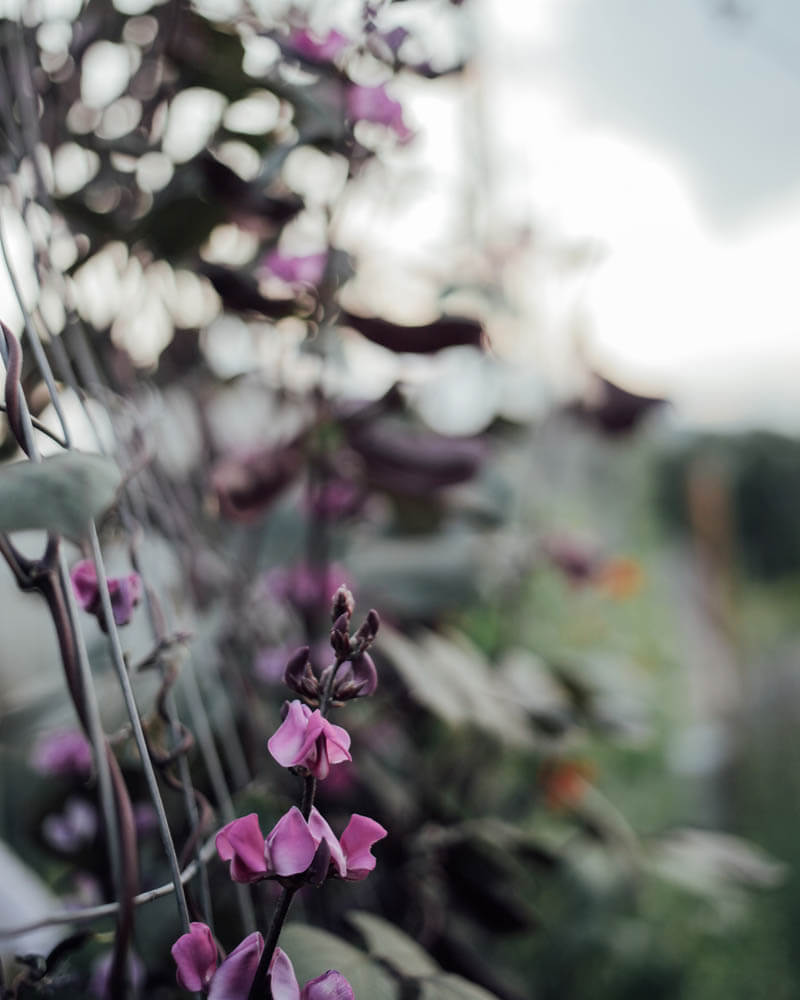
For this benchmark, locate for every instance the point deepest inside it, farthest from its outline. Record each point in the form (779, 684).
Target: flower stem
(260, 990)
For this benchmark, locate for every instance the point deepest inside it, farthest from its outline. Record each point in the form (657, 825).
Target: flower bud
(368, 628)
(340, 639)
(299, 675)
(343, 603)
(359, 680)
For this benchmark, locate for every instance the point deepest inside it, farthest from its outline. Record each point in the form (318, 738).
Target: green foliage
(60, 494)
(314, 951)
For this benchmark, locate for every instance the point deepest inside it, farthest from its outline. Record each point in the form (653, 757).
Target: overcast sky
(666, 134)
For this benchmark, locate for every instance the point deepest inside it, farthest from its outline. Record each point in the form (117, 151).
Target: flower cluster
(125, 592)
(301, 848)
(195, 955)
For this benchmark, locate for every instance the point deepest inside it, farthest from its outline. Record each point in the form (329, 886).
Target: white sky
(666, 138)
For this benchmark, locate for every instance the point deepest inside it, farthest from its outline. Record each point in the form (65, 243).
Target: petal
(337, 742)
(234, 977)
(84, 583)
(287, 742)
(242, 843)
(359, 835)
(195, 955)
(321, 831)
(290, 844)
(364, 674)
(283, 982)
(331, 985)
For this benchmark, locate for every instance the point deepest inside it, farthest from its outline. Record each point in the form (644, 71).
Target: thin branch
(92, 913)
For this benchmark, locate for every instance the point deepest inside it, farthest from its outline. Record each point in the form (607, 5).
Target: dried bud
(299, 676)
(343, 603)
(368, 629)
(359, 680)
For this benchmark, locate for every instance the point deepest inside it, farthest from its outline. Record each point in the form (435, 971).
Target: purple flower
(288, 849)
(125, 592)
(351, 856)
(306, 587)
(99, 984)
(64, 752)
(373, 104)
(306, 739)
(73, 828)
(311, 46)
(195, 956)
(330, 986)
(233, 979)
(307, 270)
(291, 846)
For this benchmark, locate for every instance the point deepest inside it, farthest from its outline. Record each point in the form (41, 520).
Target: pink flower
(292, 845)
(288, 849)
(125, 592)
(315, 48)
(64, 752)
(373, 104)
(307, 270)
(330, 986)
(195, 955)
(351, 856)
(306, 739)
(72, 829)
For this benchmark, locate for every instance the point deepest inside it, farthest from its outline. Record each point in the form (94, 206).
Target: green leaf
(452, 678)
(449, 987)
(387, 942)
(313, 952)
(61, 493)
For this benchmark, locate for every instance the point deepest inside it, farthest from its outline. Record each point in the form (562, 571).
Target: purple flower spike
(358, 837)
(65, 752)
(125, 593)
(233, 979)
(195, 955)
(306, 739)
(242, 843)
(330, 986)
(290, 844)
(373, 104)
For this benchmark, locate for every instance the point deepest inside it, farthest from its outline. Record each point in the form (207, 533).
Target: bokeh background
(487, 310)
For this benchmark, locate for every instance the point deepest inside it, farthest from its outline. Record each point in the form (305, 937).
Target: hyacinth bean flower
(303, 270)
(318, 49)
(291, 846)
(373, 104)
(195, 956)
(100, 981)
(61, 753)
(306, 739)
(125, 592)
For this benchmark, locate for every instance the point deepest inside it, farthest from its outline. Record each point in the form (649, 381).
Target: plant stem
(261, 990)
